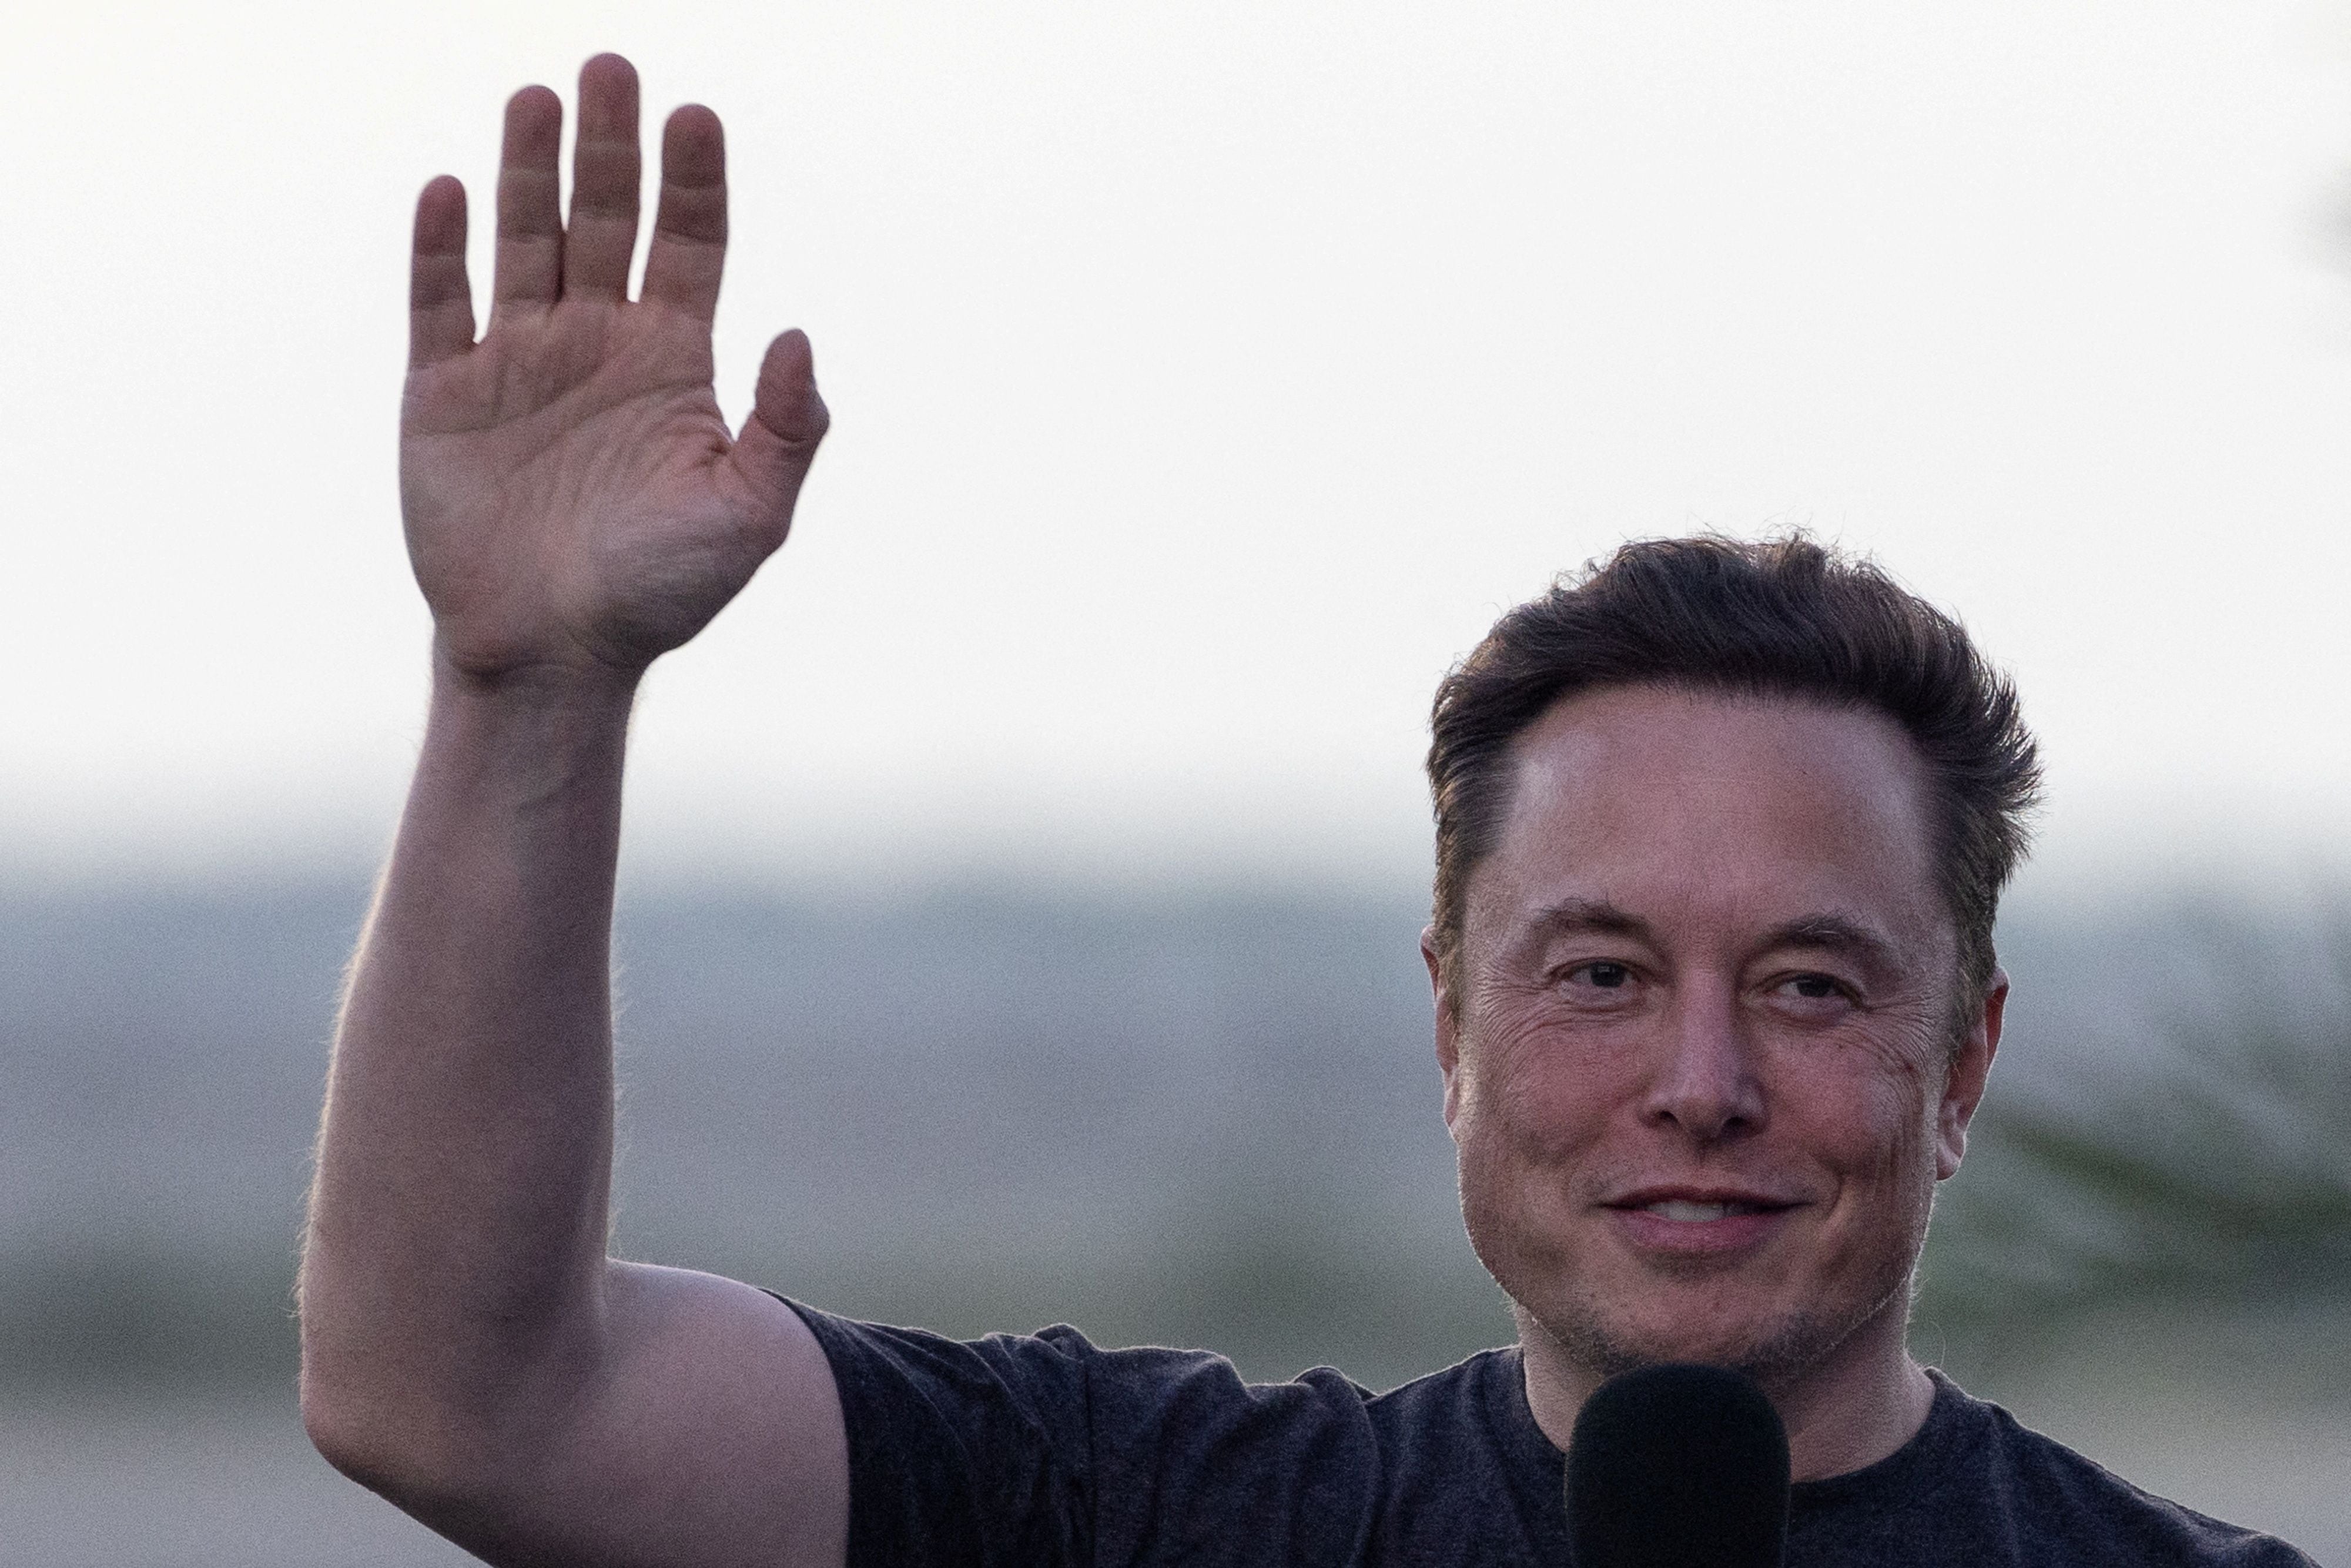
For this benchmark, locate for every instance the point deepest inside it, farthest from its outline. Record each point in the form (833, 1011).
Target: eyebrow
(1821, 932)
(1590, 915)
(1833, 934)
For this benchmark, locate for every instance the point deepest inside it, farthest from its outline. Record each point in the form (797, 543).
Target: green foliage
(2213, 1167)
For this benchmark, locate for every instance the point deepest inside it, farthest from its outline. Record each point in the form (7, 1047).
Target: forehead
(1729, 810)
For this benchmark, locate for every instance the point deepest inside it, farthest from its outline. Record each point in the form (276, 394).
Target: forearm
(456, 1246)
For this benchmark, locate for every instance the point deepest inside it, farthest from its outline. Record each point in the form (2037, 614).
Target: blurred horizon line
(2131, 868)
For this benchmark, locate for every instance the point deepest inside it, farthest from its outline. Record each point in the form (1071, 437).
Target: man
(1721, 834)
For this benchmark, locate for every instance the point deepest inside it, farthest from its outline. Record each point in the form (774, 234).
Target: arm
(574, 507)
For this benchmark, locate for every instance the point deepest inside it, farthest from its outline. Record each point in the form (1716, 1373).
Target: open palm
(571, 494)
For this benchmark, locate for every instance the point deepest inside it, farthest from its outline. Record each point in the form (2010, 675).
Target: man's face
(1699, 1070)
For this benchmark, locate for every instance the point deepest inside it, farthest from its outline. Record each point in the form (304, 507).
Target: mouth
(1686, 1223)
(1689, 1211)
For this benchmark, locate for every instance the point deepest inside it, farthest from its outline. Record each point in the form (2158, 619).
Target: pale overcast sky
(1206, 378)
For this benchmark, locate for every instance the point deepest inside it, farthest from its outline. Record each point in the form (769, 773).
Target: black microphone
(1677, 1466)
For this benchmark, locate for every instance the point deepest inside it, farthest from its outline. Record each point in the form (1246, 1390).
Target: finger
(606, 169)
(689, 246)
(531, 220)
(780, 439)
(439, 298)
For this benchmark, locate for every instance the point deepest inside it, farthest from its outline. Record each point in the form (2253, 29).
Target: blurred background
(1023, 879)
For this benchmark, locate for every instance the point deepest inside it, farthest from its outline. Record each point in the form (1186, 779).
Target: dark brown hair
(1780, 618)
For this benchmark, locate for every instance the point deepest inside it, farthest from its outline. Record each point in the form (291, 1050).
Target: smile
(1684, 1212)
(1692, 1225)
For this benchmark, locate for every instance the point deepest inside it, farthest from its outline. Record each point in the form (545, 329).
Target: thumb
(787, 419)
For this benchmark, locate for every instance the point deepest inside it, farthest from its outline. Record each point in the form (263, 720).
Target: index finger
(689, 244)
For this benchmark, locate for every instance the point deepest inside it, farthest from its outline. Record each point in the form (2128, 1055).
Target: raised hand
(575, 505)
(573, 498)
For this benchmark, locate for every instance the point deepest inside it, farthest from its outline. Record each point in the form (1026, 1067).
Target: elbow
(341, 1440)
(360, 1434)
(418, 1436)
(378, 1428)
(342, 1422)
(439, 1419)
(410, 1452)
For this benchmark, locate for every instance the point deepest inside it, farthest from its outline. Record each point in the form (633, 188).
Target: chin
(1766, 1348)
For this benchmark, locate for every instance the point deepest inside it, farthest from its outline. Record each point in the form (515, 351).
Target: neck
(1847, 1410)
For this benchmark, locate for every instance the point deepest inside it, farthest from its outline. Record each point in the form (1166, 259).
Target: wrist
(586, 686)
(540, 733)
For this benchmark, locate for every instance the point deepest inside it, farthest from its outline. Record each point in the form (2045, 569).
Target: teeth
(1693, 1213)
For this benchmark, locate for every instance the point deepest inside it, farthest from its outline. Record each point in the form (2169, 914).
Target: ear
(1963, 1085)
(1449, 1036)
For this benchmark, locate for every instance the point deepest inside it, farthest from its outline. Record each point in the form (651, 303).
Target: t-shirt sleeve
(963, 1454)
(1044, 1450)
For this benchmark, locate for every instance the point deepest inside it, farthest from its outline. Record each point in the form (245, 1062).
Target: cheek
(1534, 1092)
(1516, 1149)
(1874, 1132)
(1868, 1098)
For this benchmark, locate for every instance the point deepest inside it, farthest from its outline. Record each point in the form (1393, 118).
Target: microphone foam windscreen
(1677, 1466)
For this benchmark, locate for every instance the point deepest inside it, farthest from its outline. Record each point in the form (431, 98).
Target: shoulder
(2060, 1505)
(1485, 1391)
(1468, 1474)
(961, 1452)
(1045, 1447)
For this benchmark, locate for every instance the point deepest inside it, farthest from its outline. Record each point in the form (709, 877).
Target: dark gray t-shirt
(1034, 1450)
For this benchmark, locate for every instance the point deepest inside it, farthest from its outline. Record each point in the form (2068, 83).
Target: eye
(1599, 980)
(1606, 975)
(1603, 987)
(1817, 997)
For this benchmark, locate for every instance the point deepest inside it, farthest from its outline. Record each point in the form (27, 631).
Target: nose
(1705, 1081)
